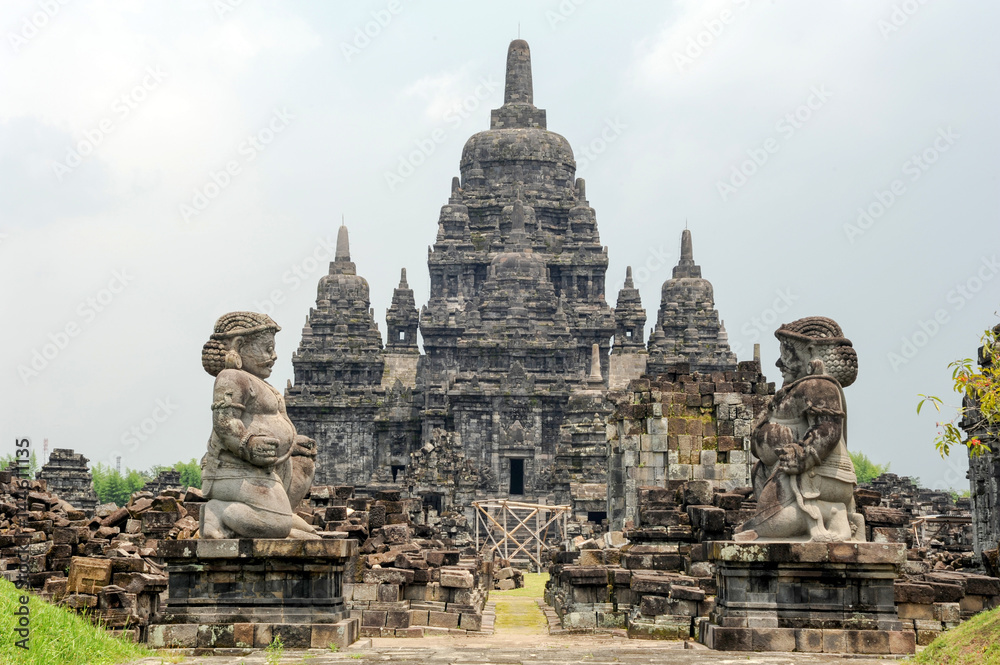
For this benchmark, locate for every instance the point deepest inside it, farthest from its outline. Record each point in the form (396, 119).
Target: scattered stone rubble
(102, 565)
(410, 578)
(653, 580)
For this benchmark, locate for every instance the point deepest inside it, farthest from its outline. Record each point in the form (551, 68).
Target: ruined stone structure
(507, 397)
(66, 474)
(984, 473)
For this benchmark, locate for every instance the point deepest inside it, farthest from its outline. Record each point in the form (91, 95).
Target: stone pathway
(516, 631)
(518, 649)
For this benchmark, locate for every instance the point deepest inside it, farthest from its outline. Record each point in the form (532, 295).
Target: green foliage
(33, 467)
(190, 472)
(980, 389)
(112, 487)
(866, 469)
(274, 651)
(58, 636)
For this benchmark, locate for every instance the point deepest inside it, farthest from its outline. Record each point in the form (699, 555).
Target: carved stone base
(241, 593)
(811, 597)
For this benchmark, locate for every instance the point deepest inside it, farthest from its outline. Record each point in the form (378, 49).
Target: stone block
(173, 636)
(243, 635)
(461, 579)
(809, 640)
(902, 642)
(442, 619)
(868, 641)
(834, 641)
(88, 575)
(947, 612)
(397, 619)
(341, 634)
(373, 618)
(470, 621)
(915, 611)
(387, 593)
(418, 617)
(773, 639)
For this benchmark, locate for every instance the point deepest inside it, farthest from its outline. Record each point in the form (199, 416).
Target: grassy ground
(58, 636)
(516, 609)
(975, 642)
(534, 587)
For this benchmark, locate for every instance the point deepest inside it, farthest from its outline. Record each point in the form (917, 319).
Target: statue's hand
(304, 446)
(263, 449)
(791, 459)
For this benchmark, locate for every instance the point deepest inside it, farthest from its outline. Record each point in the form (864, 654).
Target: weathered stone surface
(795, 483)
(275, 460)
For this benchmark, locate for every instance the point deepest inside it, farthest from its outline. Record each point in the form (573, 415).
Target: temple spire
(629, 284)
(343, 244)
(686, 267)
(518, 85)
(402, 279)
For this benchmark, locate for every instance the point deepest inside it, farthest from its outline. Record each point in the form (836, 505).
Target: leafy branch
(979, 385)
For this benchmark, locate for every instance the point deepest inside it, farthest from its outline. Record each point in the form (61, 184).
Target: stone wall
(682, 426)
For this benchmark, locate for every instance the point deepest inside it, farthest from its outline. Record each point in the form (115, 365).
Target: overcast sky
(164, 163)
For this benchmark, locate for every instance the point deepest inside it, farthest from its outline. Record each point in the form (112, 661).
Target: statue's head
(242, 340)
(815, 345)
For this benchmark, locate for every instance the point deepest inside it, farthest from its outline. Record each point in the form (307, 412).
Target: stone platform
(225, 594)
(811, 597)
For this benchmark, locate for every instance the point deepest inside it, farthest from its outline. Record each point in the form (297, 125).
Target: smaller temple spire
(629, 284)
(518, 85)
(343, 244)
(686, 267)
(402, 279)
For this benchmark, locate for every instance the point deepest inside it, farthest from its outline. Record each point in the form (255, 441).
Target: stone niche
(808, 597)
(241, 593)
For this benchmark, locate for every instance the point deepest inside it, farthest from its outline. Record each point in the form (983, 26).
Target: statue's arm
(228, 404)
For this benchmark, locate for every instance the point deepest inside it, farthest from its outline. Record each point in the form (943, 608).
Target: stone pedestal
(810, 597)
(230, 594)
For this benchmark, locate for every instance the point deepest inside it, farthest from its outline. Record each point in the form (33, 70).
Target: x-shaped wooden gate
(495, 517)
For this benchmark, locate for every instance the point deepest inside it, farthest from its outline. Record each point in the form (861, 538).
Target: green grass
(58, 636)
(975, 642)
(534, 587)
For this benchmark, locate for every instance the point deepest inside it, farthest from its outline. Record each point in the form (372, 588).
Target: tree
(866, 469)
(979, 386)
(112, 487)
(33, 467)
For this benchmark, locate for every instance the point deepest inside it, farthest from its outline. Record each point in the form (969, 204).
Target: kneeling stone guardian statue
(804, 479)
(257, 468)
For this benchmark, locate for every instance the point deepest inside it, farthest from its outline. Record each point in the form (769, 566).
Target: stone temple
(509, 395)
